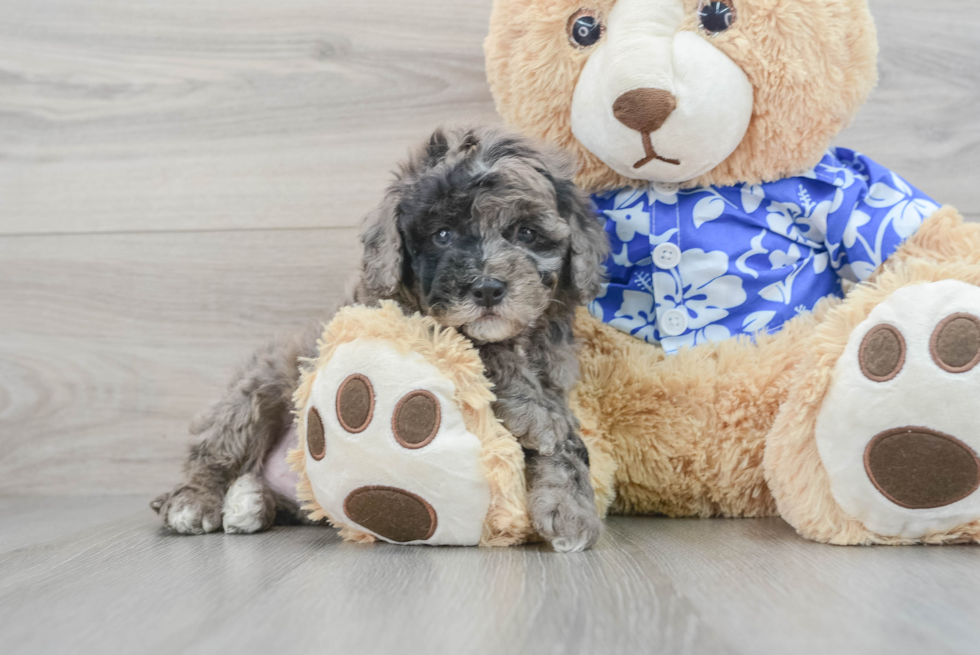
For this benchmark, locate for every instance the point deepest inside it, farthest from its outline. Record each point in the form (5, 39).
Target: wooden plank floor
(182, 179)
(99, 576)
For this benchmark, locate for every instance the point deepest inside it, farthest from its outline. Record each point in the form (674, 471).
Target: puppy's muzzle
(488, 292)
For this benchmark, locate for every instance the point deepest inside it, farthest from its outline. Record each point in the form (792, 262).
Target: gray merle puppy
(487, 234)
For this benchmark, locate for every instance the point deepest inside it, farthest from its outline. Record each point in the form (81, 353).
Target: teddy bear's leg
(683, 435)
(899, 429)
(387, 452)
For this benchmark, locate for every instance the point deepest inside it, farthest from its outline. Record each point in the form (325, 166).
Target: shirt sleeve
(873, 212)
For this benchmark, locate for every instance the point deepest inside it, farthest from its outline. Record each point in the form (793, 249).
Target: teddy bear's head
(695, 92)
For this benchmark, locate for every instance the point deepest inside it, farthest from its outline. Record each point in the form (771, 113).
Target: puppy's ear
(585, 272)
(589, 243)
(436, 148)
(381, 266)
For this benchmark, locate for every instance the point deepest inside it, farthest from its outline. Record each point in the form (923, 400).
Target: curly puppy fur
(486, 234)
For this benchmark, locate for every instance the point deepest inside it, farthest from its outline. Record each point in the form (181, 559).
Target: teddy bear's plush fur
(728, 429)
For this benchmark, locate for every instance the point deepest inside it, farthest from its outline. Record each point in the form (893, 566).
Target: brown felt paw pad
(315, 436)
(416, 419)
(395, 514)
(355, 403)
(955, 344)
(882, 353)
(919, 468)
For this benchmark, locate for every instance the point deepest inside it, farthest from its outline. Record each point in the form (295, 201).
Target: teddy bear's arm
(874, 211)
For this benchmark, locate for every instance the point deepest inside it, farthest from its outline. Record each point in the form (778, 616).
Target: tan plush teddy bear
(703, 129)
(725, 372)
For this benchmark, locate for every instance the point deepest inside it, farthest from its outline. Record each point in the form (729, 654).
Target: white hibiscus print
(907, 211)
(700, 286)
(753, 195)
(782, 291)
(755, 248)
(806, 222)
(709, 208)
(653, 193)
(636, 316)
(630, 222)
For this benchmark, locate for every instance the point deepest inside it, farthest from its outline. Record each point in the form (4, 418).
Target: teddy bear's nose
(644, 110)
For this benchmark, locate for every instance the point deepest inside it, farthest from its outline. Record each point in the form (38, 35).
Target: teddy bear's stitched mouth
(651, 154)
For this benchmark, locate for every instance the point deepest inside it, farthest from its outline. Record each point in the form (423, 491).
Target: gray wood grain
(222, 114)
(111, 343)
(120, 584)
(180, 181)
(922, 120)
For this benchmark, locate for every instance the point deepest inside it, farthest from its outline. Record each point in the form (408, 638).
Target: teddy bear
(787, 328)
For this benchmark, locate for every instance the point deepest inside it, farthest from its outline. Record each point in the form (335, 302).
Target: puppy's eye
(527, 235)
(717, 16)
(443, 237)
(584, 28)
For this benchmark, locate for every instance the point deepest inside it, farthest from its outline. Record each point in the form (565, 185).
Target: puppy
(488, 235)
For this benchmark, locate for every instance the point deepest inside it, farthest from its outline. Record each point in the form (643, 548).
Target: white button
(673, 322)
(667, 255)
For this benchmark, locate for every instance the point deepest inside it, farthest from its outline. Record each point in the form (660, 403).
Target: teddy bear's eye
(584, 28)
(717, 16)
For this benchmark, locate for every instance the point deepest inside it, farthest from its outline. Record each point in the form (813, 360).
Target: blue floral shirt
(696, 265)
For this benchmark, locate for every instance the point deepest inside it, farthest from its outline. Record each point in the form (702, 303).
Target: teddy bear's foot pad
(919, 468)
(899, 431)
(388, 453)
(398, 515)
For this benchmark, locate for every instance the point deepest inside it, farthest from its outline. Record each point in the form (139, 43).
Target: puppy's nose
(644, 110)
(488, 291)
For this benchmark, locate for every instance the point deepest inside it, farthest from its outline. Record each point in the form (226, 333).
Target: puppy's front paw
(569, 523)
(560, 498)
(190, 510)
(248, 506)
(544, 430)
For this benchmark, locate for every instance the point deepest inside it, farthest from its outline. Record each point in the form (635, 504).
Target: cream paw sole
(388, 452)
(899, 431)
